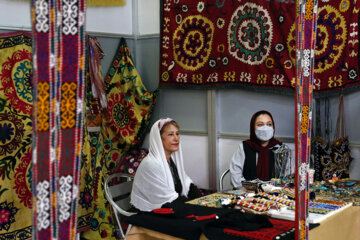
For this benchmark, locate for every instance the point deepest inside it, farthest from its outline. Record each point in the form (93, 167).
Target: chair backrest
(117, 190)
(222, 179)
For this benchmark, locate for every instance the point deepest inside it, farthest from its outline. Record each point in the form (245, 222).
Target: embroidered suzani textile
(58, 80)
(124, 126)
(252, 44)
(16, 106)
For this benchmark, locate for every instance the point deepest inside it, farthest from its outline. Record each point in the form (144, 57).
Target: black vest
(249, 170)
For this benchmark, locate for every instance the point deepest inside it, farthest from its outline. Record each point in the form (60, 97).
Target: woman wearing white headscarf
(161, 177)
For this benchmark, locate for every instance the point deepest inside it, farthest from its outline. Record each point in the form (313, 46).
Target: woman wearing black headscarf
(254, 157)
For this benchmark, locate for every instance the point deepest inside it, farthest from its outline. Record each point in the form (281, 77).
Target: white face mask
(264, 133)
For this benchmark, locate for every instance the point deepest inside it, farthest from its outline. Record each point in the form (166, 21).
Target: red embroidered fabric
(279, 227)
(252, 44)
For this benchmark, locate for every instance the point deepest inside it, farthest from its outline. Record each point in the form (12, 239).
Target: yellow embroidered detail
(192, 42)
(81, 64)
(269, 63)
(302, 230)
(197, 78)
(305, 119)
(309, 10)
(68, 105)
(261, 78)
(43, 106)
(344, 5)
(166, 25)
(165, 76)
(335, 81)
(229, 76)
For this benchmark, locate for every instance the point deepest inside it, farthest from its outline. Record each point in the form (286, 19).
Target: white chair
(222, 177)
(118, 195)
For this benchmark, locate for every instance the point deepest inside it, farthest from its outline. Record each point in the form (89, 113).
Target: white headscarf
(153, 184)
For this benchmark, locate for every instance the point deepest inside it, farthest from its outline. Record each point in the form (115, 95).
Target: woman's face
(262, 120)
(170, 138)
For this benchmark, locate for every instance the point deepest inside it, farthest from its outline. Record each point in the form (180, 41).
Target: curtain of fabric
(16, 106)
(124, 125)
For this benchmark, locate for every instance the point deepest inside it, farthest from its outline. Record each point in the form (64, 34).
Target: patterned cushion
(130, 161)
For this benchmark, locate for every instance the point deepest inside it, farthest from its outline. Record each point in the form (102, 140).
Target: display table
(343, 225)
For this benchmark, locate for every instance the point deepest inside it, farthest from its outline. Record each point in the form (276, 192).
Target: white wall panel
(195, 153)
(236, 107)
(116, 20)
(15, 14)
(149, 16)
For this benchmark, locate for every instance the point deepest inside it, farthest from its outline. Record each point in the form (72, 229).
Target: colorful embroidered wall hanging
(305, 67)
(252, 44)
(58, 30)
(15, 135)
(124, 127)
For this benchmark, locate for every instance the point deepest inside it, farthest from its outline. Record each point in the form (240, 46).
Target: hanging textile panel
(92, 137)
(124, 126)
(252, 44)
(58, 30)
(307, 11)
(105, 3)
(16, 107)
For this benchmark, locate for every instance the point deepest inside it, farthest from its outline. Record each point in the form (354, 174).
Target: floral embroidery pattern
(16, 80)
(11, 132)
(229, 76)
(261, 78)
(196, 78)
(7, 215)
(86, 198)
(122, 116)
(16, 105)
(23, 179)
(192, 42)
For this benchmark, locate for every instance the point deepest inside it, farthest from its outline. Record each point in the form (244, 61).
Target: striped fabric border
(306, 36)
(58, 30)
